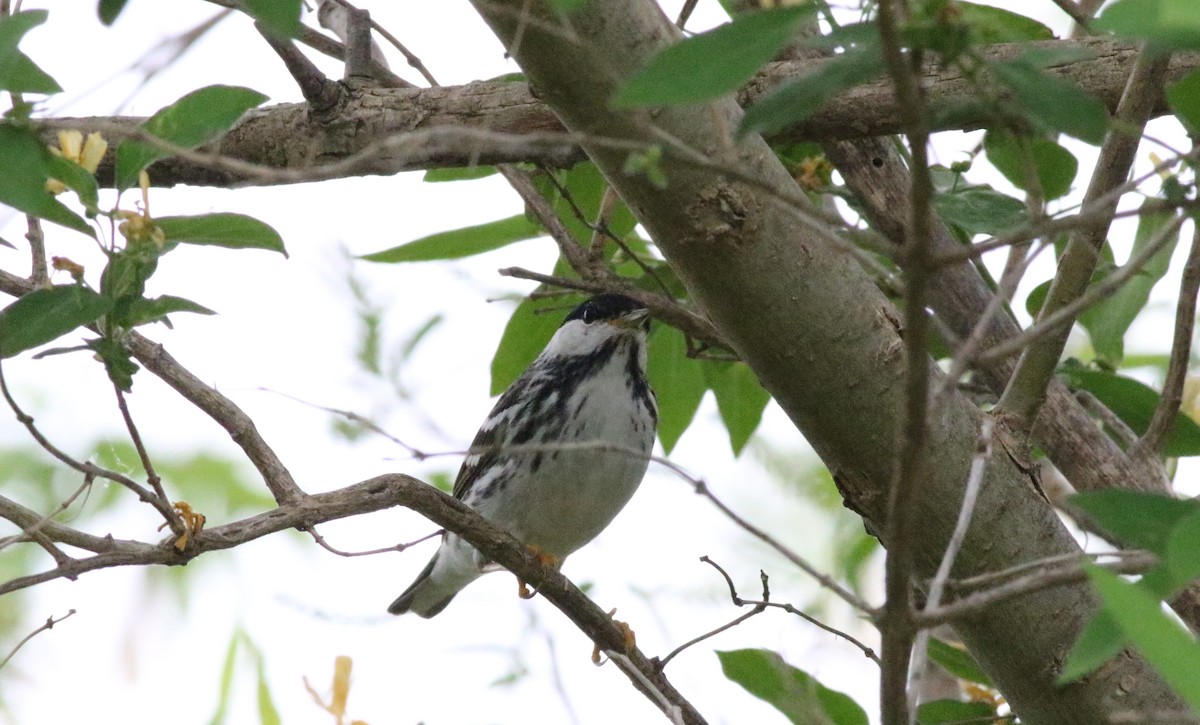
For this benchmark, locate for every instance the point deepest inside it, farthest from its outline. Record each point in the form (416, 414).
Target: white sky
(132, 654)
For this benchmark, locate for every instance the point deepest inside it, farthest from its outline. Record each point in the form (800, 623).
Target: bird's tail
(434, 587)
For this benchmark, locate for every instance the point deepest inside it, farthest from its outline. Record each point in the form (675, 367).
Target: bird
(561, 453)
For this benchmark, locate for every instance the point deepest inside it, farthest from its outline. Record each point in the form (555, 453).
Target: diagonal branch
(375, 494)
(1181, 353)
(1026, 390)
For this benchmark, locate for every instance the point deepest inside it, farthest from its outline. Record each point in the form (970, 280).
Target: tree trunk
(823, 340)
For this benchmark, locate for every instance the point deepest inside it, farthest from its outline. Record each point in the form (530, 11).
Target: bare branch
(283, 137)
(983, 454)
(1167, 409)
(47, 625)
(39, 275)
(144, 455)
(320, 93)
(1026, 390)
(905, 491)
(88, 469)
(1052, 576)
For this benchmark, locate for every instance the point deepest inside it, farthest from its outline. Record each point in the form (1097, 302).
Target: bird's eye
(589, 316)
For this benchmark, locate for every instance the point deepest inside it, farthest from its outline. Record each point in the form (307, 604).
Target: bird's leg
(544, 559)
(629, 639)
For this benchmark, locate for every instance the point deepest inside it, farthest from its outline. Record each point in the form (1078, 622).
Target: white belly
(569, 487)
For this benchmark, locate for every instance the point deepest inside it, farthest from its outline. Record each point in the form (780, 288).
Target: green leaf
(678, 382)
(526, 333)
(953, 711)
(796, 694)
(459, 243)
(143, 311)
(740, 399)
(1053, 166)
(27, 164)
(47, 314)
(1056, 103)
(118, 364)
(1182, 555)
(1168, 24)
(78, 179)
(268, 714)
(990, 25)
(1109, 319)
(714, 63)
(981, 210)
(1168, 647)
(1100, 641)
(1134, 402)
(796, 100)
(586, 189)
(226, 682)
(108, 10)
(957, 661)
(124, 277)
(232, 231)
(1184, 98)
(465, 173)
(1135, 518)
(18, 73)
(281, 17)
(197, 118)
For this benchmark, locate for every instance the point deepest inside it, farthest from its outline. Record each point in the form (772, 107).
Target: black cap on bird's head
(616, 309)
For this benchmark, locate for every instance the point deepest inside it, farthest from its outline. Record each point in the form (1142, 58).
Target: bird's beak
(631, 320)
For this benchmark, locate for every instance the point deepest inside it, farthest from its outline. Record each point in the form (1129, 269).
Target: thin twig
(990, 579)
(312, 531)
(759, 608)
(904, 496)
(1068, 573)
(979, 461)
(47, 625)
(1167, 409)
(410, 57)
(27, 532)
(147, 466)
(38, 273)
(355, 418)
(823, 579)
(685, 13)
(738, 601)
(221, 409)
(661, 307)
(1026, 389)
(1077, 14)
(86, 468)
(1065, 315)
(568, 246)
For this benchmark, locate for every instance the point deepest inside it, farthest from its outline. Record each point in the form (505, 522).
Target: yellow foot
(629, 639)
(523, 590)
(193, 524)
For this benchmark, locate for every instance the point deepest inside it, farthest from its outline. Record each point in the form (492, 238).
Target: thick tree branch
(1026, 390)
(284, 137)
(375, 494)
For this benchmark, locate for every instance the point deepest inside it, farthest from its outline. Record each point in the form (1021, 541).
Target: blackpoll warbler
(561, 453)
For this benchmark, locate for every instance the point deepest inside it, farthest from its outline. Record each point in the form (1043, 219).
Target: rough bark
(824, 341)
(285, 136)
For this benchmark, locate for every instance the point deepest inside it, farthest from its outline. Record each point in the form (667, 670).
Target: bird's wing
(494, 433)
